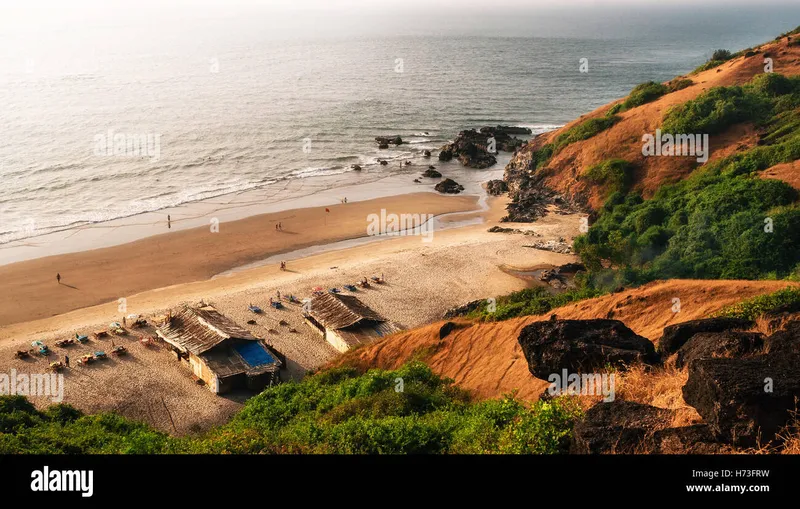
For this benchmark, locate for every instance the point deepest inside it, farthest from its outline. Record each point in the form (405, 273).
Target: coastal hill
(486, 358)
(565, 171)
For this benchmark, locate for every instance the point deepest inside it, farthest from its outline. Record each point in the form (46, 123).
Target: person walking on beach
(58, 278)
(66, 360)
(169, 222)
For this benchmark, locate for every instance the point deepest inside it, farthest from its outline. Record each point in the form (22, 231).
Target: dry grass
(660, 387)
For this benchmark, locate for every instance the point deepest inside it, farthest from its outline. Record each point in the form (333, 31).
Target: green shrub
(616, 174)
(679, 84)
(787, 299)
(339, 411)
(644, 93)
(716, 110)
(721, 54)
(534, 301)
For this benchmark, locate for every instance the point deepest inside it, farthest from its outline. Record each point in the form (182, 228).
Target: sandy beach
(423, 279)
(109, 274)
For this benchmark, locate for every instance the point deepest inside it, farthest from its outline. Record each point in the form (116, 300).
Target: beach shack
(219, 352)
(345, 322)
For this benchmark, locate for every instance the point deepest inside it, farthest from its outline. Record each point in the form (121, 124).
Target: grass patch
(787, 299)
(533, 301)
(644, 93)
(615, 174)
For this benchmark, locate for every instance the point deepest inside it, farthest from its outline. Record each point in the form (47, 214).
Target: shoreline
(315, 191)
(108, 274)
(423, 280)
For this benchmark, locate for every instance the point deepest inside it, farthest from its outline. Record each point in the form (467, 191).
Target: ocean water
(225, 108)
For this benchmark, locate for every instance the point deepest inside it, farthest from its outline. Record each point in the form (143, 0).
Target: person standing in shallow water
(58, 278)
(169, 222)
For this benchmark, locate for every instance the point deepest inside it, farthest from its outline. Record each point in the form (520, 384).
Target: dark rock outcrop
(709, 345)
(388, 140)
(675, 336)
(582, 346)
(695, 439)
(449, 186)
(496, 187)
(446, 329)
(618, 427)
(383, 162)
(356, 167)
(471, 148)
(786, 341)
(432, 174)
(744, 401)
(502, 136)
(463, 309)
(426, 153)
(507, 129)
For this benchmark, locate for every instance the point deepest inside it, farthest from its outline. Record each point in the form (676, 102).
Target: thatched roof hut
(220, 352)
(345, 321)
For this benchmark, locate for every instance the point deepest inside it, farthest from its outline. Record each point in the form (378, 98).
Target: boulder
(618, 427)
(388, 140)
(472, 149)
(675, 336)
(506, 129)
(786, 341)
(463, 309)
(383, 145)
(383, 162)
(449, 186)
(356, 167)
(708, 345)
(496, 187)
(426, 153)
(695, 439)
(432, 174)
(446, 329)
(582, 346)
(744, 401)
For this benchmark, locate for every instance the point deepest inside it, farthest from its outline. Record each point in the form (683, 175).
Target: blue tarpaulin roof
(254, 353)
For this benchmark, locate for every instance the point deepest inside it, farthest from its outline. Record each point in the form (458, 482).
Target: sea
(109, 117)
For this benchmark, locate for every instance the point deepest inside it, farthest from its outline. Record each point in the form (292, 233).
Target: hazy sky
(384, 17)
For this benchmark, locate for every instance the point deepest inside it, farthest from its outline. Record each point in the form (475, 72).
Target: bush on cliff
(340, 411)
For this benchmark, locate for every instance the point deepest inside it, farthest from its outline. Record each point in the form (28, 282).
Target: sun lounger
(276, 305)
(351, 288)
(254, 309)
(334, 290)
(100, 355)
(83, 339)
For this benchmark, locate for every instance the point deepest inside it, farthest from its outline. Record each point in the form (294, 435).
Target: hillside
(623, 140)
(486, 358)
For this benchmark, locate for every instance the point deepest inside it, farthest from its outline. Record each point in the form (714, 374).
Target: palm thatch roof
(198, 330)
(340, 311)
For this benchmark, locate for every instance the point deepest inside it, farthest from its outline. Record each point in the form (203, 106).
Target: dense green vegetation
(579, 132)
(534, 301)
(337, 411)
(723, 221)
(787, 299)
(615, 174)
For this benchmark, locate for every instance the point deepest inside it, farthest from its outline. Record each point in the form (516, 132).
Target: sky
(286, 18)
